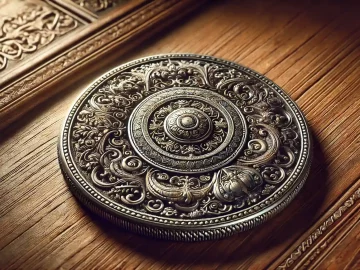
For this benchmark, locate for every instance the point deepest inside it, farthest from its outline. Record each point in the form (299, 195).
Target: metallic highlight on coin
(185, 147)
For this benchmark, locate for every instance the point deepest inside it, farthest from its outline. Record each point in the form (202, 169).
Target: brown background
(311, 49)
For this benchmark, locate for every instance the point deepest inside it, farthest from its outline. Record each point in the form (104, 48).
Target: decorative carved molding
(315, 254)
(60, 66)
(79, 52)
(312, 239)
(34, 27)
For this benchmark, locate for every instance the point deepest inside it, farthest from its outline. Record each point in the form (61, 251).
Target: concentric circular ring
(177, 152)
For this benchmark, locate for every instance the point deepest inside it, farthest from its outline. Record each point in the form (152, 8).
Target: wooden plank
(312, 50)
(346, 254)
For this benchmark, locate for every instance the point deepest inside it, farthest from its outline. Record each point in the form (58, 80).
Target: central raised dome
(188, 122)
(188, 125)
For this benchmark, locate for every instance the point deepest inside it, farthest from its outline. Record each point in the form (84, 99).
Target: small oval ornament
(185, 147)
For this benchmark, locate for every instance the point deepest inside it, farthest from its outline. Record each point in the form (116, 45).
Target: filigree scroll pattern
(35, 27)
(104, 151)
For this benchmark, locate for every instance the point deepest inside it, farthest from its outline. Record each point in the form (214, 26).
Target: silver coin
(185, 147)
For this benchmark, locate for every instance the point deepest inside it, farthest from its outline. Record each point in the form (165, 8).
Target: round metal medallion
(185, 147)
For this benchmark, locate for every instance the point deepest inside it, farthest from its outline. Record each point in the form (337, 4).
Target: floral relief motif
(35, 27)
(144, 100)
(96, 5)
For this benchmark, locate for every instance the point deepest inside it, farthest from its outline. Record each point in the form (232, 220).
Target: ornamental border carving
(313, 238)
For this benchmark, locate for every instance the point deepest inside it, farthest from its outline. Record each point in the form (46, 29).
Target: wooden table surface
(310, 49)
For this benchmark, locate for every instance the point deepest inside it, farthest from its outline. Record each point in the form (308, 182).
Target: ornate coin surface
(185, 147)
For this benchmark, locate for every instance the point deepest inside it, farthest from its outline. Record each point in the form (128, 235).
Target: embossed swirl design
(33, 28)
(185, 139)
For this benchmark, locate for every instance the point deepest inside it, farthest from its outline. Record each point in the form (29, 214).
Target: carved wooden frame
(320, 239)
(22, 87)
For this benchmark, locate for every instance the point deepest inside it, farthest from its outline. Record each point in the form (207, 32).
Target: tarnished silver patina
(185, 147)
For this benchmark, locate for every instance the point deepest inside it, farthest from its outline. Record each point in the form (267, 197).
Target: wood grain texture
(346, 254)
(310, 49)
